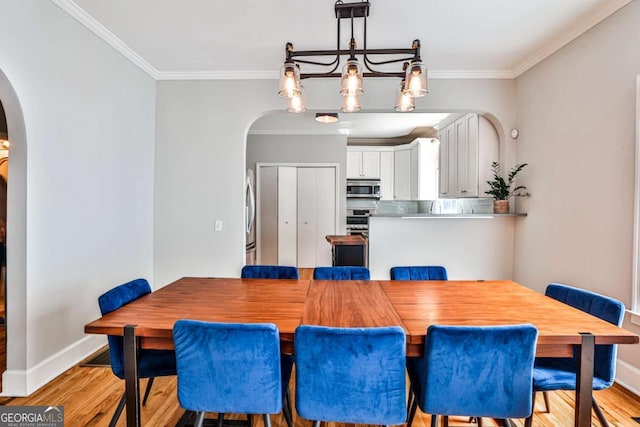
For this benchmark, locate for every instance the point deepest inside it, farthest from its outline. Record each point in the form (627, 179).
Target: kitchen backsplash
(442, 206)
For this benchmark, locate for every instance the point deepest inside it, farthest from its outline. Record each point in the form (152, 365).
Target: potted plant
(502, 189)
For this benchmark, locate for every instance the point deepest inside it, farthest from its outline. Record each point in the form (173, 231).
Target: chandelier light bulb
(404, 101)
(296, 103)
(350, 104)
(416, 79)
(351, 78)
(289, 80)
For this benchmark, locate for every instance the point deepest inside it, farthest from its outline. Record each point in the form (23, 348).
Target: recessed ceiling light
(326, 118)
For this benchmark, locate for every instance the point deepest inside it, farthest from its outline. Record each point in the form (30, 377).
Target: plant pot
(501, 206)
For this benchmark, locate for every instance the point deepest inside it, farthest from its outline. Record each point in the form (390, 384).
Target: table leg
(584, 380)
(131, 380)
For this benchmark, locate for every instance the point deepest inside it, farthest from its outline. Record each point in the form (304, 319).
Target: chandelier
(413, 77)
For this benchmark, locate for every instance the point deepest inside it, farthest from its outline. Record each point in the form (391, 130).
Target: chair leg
(434, 420)
(147, 390)
(286, 408)
(317, 423)
(220, 419)
(116, 414)
(199, 419)
(412, 412)
(528, 422)
(267, 420)
(599, 413)
(410, 404)
(479, 420)
(546, 401)
(445, 420)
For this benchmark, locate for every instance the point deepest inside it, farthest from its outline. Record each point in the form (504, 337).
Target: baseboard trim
(628, 376)
(21, 383)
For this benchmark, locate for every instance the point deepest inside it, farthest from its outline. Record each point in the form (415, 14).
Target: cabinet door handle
(463, 191)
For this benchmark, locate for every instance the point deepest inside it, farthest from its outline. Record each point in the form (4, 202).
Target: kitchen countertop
(443, 216)
(353, 240)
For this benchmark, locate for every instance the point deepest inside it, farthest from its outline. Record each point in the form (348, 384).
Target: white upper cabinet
(467, 148)
(402, 174)
(363, 164)
(386, 175)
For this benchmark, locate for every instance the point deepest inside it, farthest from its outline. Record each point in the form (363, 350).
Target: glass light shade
(350, 104)
(351, 82)
(416, 79)
(297, 104)
(404, 101)
(289, 80)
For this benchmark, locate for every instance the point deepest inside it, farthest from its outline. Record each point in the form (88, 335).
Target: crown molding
(471, 74)
(582, 26)
(80, 15)
(217, 75)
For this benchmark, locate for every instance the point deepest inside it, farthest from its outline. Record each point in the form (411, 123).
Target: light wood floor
(90, 395)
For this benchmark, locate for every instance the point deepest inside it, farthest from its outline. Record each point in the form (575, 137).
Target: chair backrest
(603, 307)
(269, 272)
(484, 371)
(432, 272)
(341, 273)
(351, 375)
(113, 300)
(228, 367)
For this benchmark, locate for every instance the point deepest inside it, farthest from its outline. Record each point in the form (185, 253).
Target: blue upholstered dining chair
(231, 368)
(269, 272)
(560, 373)
(341, 273)
(476, 371)
(151, 363)
(419, 273)
(351, 375)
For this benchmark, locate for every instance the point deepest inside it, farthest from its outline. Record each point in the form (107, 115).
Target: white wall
(576, 114)
(469, 248)
(89, 128)
(200, 157)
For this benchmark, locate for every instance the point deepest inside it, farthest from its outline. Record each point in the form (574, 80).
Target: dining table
(413, 305)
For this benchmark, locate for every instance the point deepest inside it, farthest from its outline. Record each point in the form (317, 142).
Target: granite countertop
(355, 240)
(434, 216)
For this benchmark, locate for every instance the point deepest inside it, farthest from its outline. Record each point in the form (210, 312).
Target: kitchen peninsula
(471, 246)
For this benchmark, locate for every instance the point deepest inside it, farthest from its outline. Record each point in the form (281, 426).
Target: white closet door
(307, 202)
(325, 213)
(287, 215)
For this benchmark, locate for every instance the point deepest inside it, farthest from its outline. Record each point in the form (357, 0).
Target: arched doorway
(4, 175)
(13, 378)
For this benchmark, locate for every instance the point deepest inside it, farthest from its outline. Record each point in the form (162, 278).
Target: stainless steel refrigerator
(250, 217)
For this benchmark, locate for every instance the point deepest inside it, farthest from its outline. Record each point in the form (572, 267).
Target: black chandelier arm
(333, 75)
(391, 61)
(324, 64)
(343, 52)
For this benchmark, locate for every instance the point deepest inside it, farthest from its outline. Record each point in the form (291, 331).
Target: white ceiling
(215, 39)
(211, 39)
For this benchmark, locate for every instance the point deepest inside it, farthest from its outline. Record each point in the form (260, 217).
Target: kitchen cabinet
(363, 164)
(402, 174)
(386, 175)
(296, 209)
(467, 148)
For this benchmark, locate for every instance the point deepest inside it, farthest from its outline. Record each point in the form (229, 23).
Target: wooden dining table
(413, 305)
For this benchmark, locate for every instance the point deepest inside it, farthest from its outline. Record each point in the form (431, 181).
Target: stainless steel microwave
(363, 188)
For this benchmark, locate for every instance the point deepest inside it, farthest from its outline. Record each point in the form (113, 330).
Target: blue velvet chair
(151, 363)
(269, 272)
(476, 371)
(560, 373)
(341, 273)
(419, 273)
(351, 375)
(231, 368)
